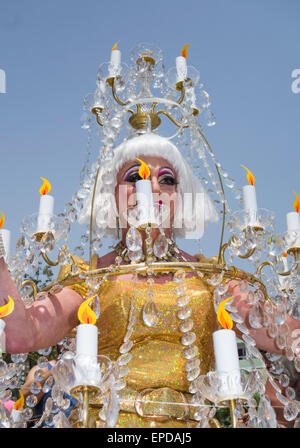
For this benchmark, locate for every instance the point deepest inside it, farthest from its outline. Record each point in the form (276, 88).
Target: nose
(155, 184)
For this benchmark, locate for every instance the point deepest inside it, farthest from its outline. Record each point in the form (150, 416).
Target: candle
(87, 369)
(144, 196)
(16, 413)
(5, 235)
(181, 66)
(5, 310)
(2, 337)
(4, 238)
(87, 340)
(293, 221)
(87, 332)
(46, 208)
(115, 61)
(283, 278)
(226, 355)
(249, 199)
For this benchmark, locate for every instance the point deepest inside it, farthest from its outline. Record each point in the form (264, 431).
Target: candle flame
(184, 51)
(250, 177)
(20, 402)
(46, 187)
(144, 170)
(85, 313)
(2, 220)
(223, 316)
(297, 203)
(114, 47)
(284, 254)
(8, 308)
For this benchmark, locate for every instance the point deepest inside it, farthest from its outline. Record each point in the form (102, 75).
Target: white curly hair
(189, 220)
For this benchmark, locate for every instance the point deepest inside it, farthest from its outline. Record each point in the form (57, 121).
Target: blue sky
(245, 52)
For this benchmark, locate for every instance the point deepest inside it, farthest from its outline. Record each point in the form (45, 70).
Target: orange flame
(284, 254)
(144, 170)
(20, 402)
(114, 47)
(5, 310)
(85, 314)
(2, 220)
(223, 316)
(297, 203)
(184, 51)
(46, 187)
(250, 177)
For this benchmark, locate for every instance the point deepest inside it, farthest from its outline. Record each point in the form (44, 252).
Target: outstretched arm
(260, 335)
(43, 323)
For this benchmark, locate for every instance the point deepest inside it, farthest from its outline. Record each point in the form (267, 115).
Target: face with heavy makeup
(164, 181)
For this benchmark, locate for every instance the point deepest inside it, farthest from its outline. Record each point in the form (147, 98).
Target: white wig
(190, 189)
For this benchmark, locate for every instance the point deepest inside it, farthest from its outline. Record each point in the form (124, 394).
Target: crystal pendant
(135, 255)
(255, 318)
(266, 414)
(290, 411)
(134, 240)
(47, 242)
(160, 246)
(150, 314)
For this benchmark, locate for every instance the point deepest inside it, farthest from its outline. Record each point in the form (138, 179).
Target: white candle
(282, 278)
(6, 242)
(45, 213)
(115, 63)
(87, 340)
(227, 362)
(250, 204)
(2, 337)
(145, 204)
(181, 68)
(293, 225)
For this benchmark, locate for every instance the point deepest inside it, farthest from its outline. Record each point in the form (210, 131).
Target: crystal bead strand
(190, 351)
(120, 369)
(148, 244)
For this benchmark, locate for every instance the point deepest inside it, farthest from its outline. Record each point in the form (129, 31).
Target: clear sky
(245, 52)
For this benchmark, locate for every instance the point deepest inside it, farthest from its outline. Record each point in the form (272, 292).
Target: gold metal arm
(111, 82)
(32, 284)
(167, 114)
(96, 111)
(282, 274)
(48, 261)
(180, 88)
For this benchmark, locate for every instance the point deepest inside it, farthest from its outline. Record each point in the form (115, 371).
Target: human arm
(30, 379)
(42, 324)
(260, 335)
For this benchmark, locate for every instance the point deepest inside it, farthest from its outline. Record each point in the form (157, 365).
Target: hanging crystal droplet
(135, 255)
(150, 314)
(134, 240)
(160, 246)
(255, 318)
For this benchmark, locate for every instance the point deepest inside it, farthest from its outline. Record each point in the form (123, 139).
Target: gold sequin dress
(156, 394)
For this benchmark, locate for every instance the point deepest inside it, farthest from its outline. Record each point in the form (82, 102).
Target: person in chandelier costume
(157, 370)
